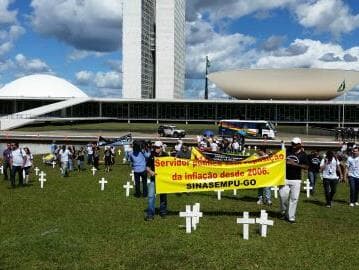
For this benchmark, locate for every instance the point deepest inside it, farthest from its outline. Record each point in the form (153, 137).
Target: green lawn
(71, 224)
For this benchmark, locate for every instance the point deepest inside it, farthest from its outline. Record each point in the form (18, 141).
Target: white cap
(296, 140)
(158, 144)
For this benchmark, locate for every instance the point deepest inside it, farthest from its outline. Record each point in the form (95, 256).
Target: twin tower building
(153, 49)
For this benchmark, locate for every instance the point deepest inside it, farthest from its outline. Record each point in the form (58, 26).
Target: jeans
(6, 169)
(18, 170)
(266, 192)
(70, 165)
(354, 189)
(152, 201)
(90, 159)
(138, 176)
(330, 187)
(312, 176)
(64, 168)
(80, 165)
(291, 191)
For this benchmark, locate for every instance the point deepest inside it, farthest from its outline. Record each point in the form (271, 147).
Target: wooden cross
(307, 187)
(93, 171)
(189, 215)
(246, 221)
(219, 194)
(263, 222)
(128, 186)
(102, 182)
(275, 189)
(42, 179)
(196, 215)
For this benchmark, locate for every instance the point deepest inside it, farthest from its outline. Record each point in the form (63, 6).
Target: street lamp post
(206, 79)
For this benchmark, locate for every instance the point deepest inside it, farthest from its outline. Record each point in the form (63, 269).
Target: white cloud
(87, 25)
(232, 9)
(76, 55)
(327, 16)
(224, 51)
(111, 80)
(84, 77)
(5, 47)
(7, 16)
(312, 57)
(99, 80)
(30, 66)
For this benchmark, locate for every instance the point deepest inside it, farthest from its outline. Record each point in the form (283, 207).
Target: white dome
(41, 85)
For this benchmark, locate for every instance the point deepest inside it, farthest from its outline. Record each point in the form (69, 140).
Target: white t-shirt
(29, 159)
(89, 150)
(235, 145)
(330, 170)
(64, 155)
(178, 147)
(353, 166)
(214, 147)
(18, 157)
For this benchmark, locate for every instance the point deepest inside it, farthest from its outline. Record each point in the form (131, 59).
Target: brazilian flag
(341, 87)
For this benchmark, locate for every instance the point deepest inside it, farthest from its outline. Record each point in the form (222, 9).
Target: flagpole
(206, 82)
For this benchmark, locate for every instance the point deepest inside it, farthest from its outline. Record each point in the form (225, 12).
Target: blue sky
(80, 40)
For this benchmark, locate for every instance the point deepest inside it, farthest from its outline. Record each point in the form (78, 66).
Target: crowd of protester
(331, 167)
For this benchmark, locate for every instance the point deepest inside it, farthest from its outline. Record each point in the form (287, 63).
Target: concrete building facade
(153, 49)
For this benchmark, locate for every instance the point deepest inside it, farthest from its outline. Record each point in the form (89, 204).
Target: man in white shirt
(17, 162)
(64, 159)
(353, 175)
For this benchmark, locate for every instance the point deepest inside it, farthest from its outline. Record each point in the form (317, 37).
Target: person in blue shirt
(138, 163)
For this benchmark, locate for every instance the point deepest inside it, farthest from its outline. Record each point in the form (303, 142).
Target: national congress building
(153, 49)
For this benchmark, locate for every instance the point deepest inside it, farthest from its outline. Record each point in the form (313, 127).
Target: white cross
(42, 179)
(128, 186)
(275, 189)
(307, 187)
(249, 147)
(43, 159)
(263, 222)
(93, 171)
(189, 215)
(37, 171)
(132, 174)
(243, 152)
(53, 164)
(1, 169)
(219, 194)
(196, 215)
(102, 182)
(255, 147)
(246, 221)
(234, 192)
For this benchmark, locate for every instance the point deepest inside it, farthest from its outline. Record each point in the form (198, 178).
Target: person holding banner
(289, 193)
(157, 152)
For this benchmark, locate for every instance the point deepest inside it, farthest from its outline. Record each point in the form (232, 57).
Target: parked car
(171, 131)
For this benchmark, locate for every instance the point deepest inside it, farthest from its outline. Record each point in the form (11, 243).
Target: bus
(247, 128)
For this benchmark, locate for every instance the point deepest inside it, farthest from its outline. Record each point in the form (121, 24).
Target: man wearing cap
(150, 166)
(289, 193)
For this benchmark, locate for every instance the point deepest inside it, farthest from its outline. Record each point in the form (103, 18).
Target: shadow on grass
(316, 202)
(271, 213)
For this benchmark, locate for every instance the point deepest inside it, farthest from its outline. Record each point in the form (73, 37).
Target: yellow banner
(175, 175)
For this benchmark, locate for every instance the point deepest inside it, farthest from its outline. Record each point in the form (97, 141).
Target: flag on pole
(341, 87)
